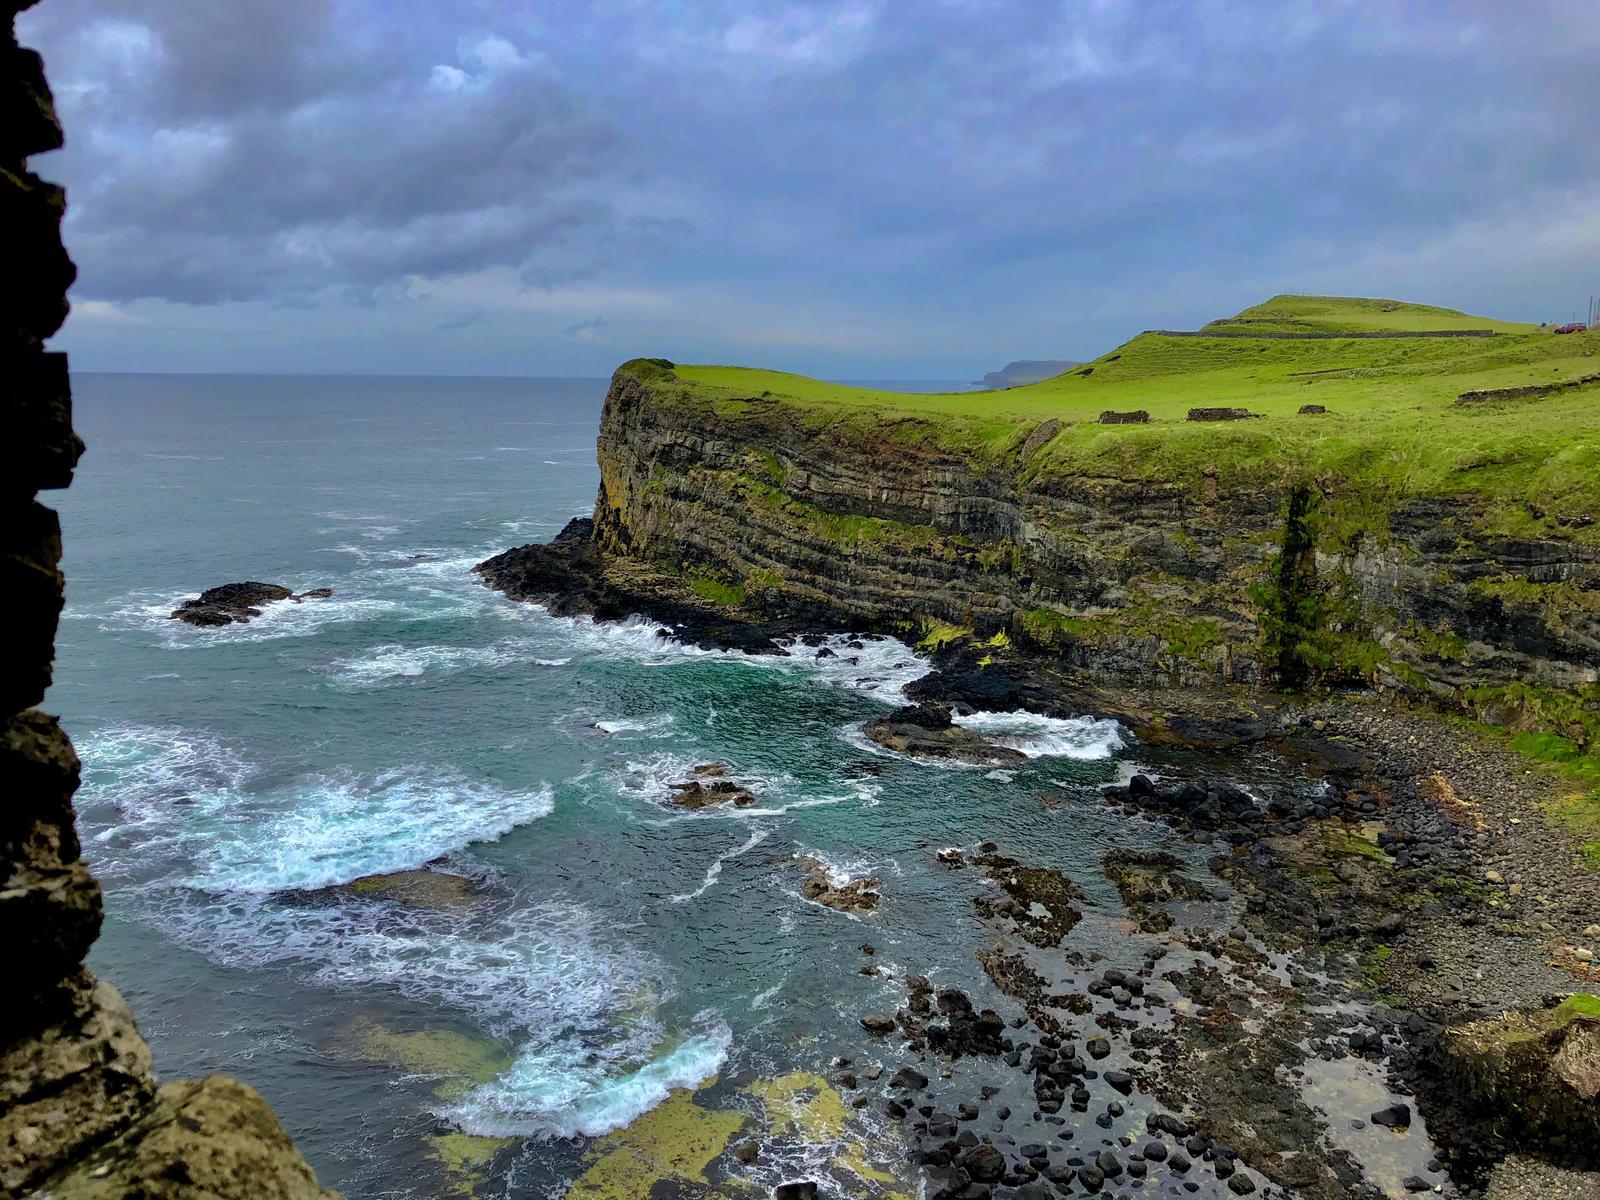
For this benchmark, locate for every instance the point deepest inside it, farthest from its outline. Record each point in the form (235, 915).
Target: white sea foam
(714, 871)
(1084, 738)
(184, 811)
(387, 664)
(652, 779)
(563, 1090)
(219, 867)
(151, 613)
(880, 667)
(658, 726)
(591, 1051)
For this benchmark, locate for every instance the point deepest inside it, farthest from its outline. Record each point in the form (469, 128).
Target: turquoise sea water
(615, 948)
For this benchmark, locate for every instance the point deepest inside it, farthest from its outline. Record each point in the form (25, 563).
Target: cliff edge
(81, 1112)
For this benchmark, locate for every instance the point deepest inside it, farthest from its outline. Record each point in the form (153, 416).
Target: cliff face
(80, 1110)
(1174, 581)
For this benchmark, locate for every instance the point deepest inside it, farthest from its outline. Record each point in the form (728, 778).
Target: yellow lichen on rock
(465, 1158)
(809, 1109)
(803, 1106)
(678, 1139)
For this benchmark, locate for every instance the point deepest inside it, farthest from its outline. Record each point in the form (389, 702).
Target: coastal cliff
(759, 506)
(81, 1111)
(1228, 542)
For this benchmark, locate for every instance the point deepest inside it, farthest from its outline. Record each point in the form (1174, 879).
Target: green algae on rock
(675, 1141)
(1536, 1072)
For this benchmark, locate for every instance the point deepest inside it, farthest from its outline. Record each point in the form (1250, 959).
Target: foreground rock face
(238, 602)
(80, 1110)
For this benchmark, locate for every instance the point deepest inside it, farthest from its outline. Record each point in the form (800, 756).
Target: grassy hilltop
(1393, 429)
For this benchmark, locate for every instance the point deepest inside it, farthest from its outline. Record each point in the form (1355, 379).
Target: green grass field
(1392, 429)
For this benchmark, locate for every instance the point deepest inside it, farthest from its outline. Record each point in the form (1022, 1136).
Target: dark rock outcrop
(858, 896)
(238, 602)
(80, 1110)
(927, 731)
(1536, 1074)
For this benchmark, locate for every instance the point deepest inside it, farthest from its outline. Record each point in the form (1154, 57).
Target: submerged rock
(420, 887)
(708, 786)
(238, 602)
(928, 731)
(858, 896)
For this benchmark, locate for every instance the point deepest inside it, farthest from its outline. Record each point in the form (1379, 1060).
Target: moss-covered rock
(1538, 1072)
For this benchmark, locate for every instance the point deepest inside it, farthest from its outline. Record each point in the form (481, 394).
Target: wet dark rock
(858, 896)
(1120, 1080)
(927, 731)
(1396, 1116)
(579, 529)
(908, 1077)
(1098, 1047)
(238, 602)
(877, 1025)
(800, 1189)
(965, 1031)
(984, 1163)
(1241, 1184)
(746, 1152)
(708, 787)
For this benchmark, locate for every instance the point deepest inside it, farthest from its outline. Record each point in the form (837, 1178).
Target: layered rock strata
(757, 510)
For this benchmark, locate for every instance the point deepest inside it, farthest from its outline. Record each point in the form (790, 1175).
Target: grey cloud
(463, 321)
(266, 154)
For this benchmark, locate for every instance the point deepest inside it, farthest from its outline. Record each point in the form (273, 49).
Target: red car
(1575, 327)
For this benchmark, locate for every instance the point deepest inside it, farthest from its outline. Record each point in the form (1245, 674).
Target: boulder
(1538, 1073)
(858, 896)
(708, 786)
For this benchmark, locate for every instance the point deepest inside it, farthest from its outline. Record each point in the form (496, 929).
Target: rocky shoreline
(1348, 978)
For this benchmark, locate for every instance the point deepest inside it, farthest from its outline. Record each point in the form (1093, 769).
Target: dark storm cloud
(241, 151)
(846, 178)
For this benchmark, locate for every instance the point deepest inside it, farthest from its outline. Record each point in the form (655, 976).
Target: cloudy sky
(857, 189)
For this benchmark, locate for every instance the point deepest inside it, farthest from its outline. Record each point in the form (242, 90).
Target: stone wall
(81, 1113)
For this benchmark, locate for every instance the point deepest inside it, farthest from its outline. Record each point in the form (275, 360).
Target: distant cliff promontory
(1027, 370)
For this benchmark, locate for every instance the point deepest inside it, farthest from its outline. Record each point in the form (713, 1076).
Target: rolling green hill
(1393, 426)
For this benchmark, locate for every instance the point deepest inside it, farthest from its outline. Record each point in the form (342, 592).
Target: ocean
(599, 947)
